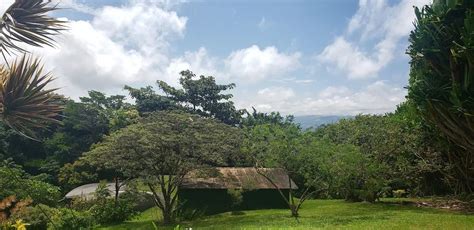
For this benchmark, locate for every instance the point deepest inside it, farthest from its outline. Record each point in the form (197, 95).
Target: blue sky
(323, 57)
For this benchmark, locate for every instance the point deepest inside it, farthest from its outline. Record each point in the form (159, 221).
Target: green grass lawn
(322, 214)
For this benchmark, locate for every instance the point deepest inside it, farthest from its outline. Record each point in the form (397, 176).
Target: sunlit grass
(323, 214)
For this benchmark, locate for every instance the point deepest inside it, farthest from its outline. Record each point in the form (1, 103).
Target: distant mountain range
(316, 120)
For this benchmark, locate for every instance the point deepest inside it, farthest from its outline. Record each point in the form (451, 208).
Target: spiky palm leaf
(27, 21)
(25, 103)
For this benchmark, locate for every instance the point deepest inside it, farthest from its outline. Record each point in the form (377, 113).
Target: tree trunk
(117, 189)
(167, 216)
(294, 211)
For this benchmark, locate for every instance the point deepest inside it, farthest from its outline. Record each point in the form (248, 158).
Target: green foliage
(166, 143)
(147, 100)
(37, 216)
(76, 174)
(201, 96)
(235, 196)
(407, 158)
(110, 211)
(15, 181)
(259, 118)
(66, 219)
(442, 80)
(45, 217)
(106, 209)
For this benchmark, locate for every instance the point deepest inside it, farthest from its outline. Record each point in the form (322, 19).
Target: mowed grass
(321, 214)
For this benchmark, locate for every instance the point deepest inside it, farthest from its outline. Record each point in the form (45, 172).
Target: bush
(66, 219)
(15, 181)
(112, 212)
(236, 197)
(356, 177)
(45, 217)
(35, 216)
(104, 209)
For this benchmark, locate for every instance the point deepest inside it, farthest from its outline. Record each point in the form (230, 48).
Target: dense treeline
(359, 159)
(423, 148)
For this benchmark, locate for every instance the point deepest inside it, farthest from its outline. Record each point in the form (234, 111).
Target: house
(209, 191)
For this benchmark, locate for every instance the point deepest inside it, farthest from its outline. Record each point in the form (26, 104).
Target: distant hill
(316, 120)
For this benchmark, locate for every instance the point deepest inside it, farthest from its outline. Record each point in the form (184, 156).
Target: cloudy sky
(315, 57)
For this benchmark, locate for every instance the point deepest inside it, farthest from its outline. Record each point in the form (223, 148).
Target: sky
(315, 57)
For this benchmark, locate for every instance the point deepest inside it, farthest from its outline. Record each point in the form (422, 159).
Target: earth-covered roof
(237, 178)
(88, 190)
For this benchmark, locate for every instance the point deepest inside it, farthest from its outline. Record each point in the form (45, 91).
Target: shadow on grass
(237, 213)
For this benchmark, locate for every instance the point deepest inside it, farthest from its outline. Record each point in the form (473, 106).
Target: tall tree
(162, 148)
(442, 79)
(200, 95)
(85, 123)
(274, 145)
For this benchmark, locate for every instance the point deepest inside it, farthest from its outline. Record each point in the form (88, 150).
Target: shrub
(105, 209)
(15, 181)
(236, 197)
(35, 216)
(112, 212)
(66, 219)
(45, 217)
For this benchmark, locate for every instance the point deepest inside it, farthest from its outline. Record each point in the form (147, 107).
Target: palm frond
(25, 103)
(27, 21)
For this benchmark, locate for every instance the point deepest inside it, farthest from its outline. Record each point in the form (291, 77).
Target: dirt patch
(449, 204)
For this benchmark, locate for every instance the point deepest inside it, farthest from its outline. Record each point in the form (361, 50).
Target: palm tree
(25, 103)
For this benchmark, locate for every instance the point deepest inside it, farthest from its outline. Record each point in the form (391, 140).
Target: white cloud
(120, 45)
(378, 97)
(268, 99)
(345, 56)
(376, 22)
(199, 62)
(274, 94)
(147, 28)
(254, 64)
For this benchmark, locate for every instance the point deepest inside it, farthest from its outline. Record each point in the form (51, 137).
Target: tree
(148, 101)
(278, 146)
(25, 104)
(442, 79)
(85, 123)
(201, 96)
(395, 144)
(259, 118)
(162, 148)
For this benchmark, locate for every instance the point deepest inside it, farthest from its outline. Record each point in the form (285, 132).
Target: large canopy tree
(25, 103)
(162, 148)
(442, 79)
(200, 95)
